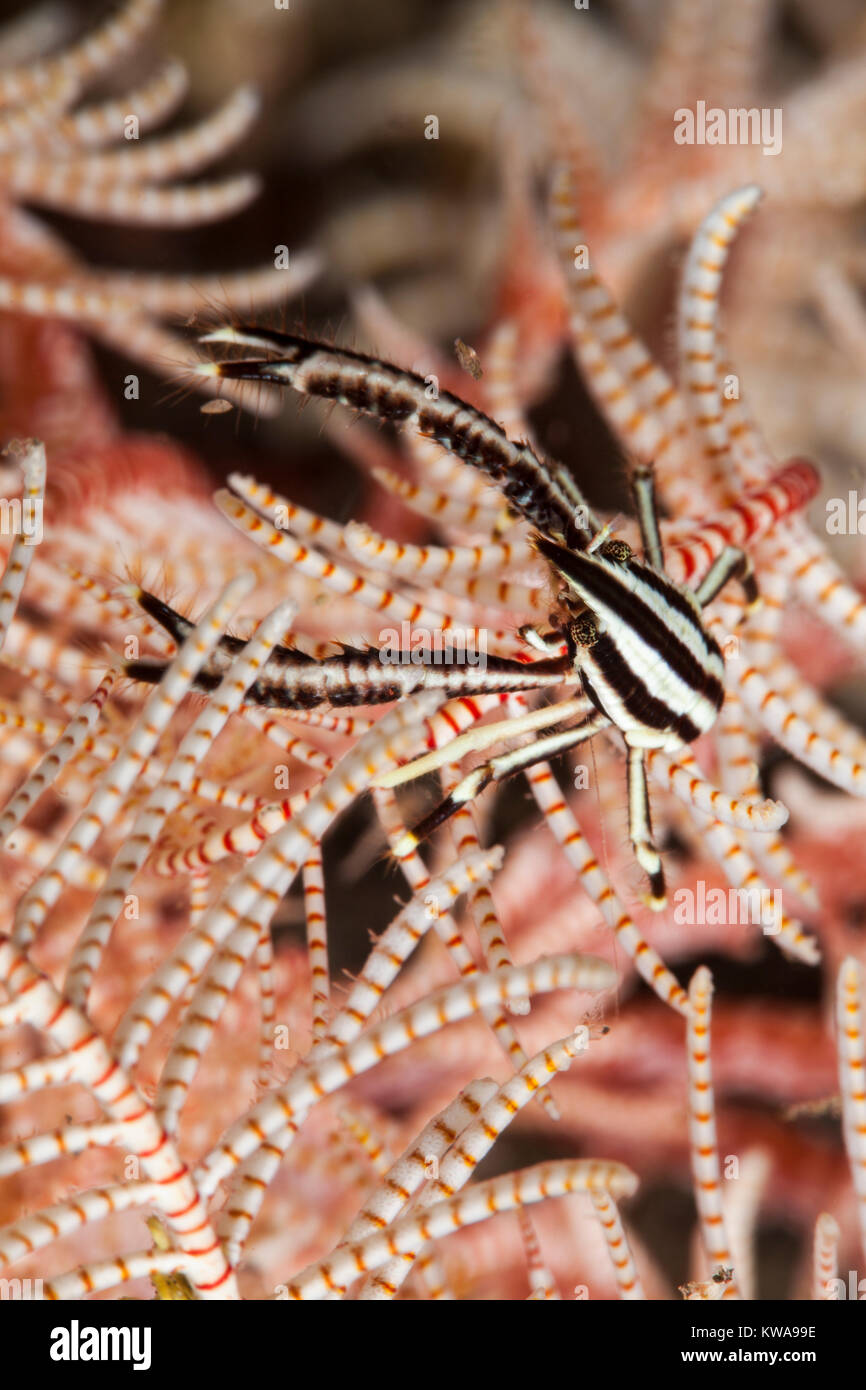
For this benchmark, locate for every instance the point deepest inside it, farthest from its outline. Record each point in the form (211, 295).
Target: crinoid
(56, 154)
(157, 1016)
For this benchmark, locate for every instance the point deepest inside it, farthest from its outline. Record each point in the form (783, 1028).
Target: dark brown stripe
(642, 706)
(668, 591)
(174, 623)
(635, 613)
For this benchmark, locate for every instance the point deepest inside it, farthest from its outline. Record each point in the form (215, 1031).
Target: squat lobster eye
(617, 551)
(584, 632)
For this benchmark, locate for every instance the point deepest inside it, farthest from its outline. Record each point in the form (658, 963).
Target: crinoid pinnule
(88, 160)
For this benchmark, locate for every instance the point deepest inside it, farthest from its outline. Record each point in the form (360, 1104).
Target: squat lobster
(631, 637)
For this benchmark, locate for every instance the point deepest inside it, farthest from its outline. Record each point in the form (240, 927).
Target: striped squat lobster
(630, 635)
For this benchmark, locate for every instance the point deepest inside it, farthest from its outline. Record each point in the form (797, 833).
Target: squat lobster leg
(644, 493)
(732, 563)
(497, 769)
(640, 828)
